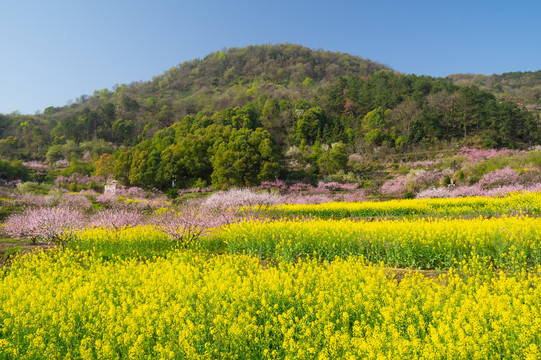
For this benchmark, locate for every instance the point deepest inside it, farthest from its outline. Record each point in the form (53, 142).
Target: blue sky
(54, 51)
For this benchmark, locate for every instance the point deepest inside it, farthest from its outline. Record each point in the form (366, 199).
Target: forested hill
(241, 116)
(221, 80)
(522, 88)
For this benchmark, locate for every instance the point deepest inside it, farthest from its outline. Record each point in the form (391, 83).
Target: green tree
(311, 124)
(338, 156)
(105, 166)
(248, 157)
(37, 137)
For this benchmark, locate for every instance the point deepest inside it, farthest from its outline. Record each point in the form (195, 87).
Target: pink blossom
(76, 201)
(45, 224)
(76, 178)
(476, 190)
(393, 187)
(106, 199)
(502, 177)
(236, 198)
(335, 186)
(116, 218)
(190, 222)
(476, 155)
(279, 185)
(62, 163)
(305, 199)
(356, 196)
(299, 186)
(131, 192)
(88, 192)
(431, 193)
(36, 166)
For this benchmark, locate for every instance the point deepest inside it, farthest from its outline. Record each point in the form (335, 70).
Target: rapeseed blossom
(73, 305)
(434, 243)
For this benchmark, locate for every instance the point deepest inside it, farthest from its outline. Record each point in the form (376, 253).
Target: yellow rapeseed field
(70, 305)
(516, 203)
(511, 242)
(327, 289)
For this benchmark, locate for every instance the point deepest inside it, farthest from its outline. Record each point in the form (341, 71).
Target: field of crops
(289, 288)
(519, 203)
(509, 242)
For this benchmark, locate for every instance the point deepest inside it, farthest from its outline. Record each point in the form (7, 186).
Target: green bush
(31, 187)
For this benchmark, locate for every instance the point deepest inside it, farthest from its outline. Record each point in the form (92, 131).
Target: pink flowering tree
(393, 187)
(133, 192)
(477, 155)
(276, 185)
(300, 187)
(240, 200)
(301, 199)
(116, 219)
(189, 223)
(48, 225)
(501, 177)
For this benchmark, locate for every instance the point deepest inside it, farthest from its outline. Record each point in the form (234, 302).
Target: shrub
(31, 187)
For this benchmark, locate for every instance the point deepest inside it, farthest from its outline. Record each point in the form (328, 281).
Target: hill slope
(522, 88)
(241, 116)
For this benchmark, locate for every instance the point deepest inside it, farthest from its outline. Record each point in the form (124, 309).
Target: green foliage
(31, 187)
(193, 121)
(246, 158)
(446, 180)
(172, 193)
(338, 157)
(311, 124)
(54, 154)
(308, 82)
(105, 166)
(13, 171)
(523, 88)
(81, 167)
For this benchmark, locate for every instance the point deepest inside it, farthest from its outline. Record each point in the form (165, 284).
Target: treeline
(523, 88)
(242, 116)
(239, 146)
(402, 110)
(129, 113)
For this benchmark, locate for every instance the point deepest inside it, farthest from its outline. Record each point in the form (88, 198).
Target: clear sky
(53, 51)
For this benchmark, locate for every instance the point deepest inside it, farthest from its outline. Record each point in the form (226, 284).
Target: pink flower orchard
(187, 224)
(116, 218)
(50, 225)
(501, 177)
(236, 199)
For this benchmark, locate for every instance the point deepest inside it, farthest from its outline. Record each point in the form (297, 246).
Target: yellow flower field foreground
(510, 242)
(517, 203)
(67, 305)
(138, 241)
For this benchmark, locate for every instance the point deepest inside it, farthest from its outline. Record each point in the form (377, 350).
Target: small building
(110, 188)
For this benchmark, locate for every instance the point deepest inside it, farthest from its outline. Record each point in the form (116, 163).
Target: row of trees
(225, 155)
